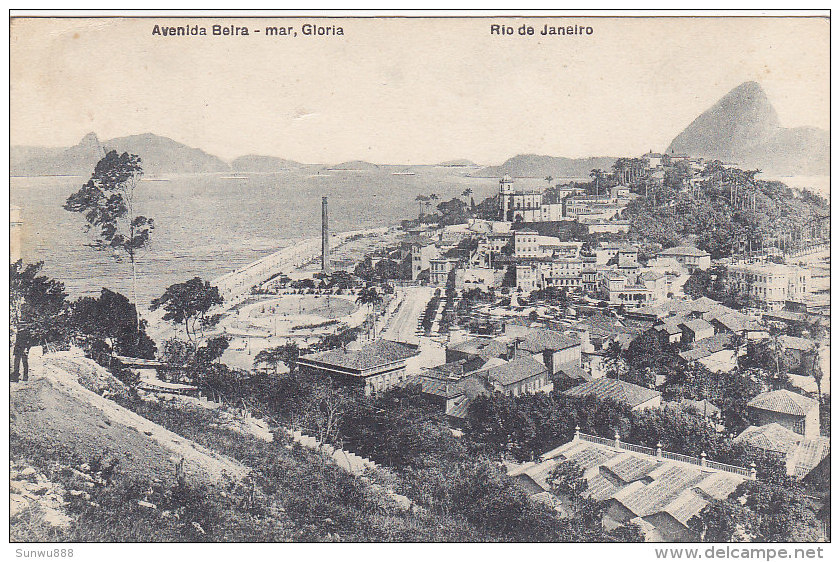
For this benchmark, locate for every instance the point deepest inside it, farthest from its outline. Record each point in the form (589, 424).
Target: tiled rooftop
(376, 354)
(802, 454)
(783, 401)
(611, 389)
(645, 485)
(514, 371)
(683, 251)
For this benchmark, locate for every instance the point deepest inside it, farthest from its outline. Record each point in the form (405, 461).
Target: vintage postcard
(458, 277)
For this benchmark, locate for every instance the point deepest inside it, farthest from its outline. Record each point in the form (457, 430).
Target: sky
(407, 90)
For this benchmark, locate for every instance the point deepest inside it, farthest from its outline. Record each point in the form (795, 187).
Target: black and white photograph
(462, 277)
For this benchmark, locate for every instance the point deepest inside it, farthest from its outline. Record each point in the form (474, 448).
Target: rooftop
(376, 354)
(799, 344)
(784, 402)
(481, 347)
(643, 484)
(674, 307)
(574, 372)
(703, 407)
(736, 322)
(770, 437)
(537, 340)
(684, 251)
(514, 371)
(697, 325)
(707, 346)
(610, 389)
(802, 454)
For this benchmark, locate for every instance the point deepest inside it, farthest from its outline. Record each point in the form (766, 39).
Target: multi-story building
(524, 205)
(551, 212)
(772, 284)
(624, 254)
(654, 159)
(420, 256)
(788, 409)
(529, 244)
(560, 272)
(689, 256)
(563, 273)
(373, 368)
(528, 277)
(633, 291)
(439, 269)
(611, 227)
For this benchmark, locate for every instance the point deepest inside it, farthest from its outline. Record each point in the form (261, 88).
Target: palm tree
(778, 353)
(421, 199)
(549, 179)
(371, 297)
(433, 197)
(596, 174)
(466, 194)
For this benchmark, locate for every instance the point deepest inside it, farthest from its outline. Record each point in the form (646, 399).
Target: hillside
(255, 163)
(159, 155)
(459, 163)
(743, 128)
(354, 165)
(54, 413)
(539, 166)
(87, 469)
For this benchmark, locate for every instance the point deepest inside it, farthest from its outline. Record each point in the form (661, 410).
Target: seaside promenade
(236, 286)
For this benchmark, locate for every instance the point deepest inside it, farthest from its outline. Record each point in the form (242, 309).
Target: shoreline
(296, 254)
(235, 286)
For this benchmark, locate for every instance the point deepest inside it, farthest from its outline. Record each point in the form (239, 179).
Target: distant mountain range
(743, 127)
(263, 164)
(460, 163)
(355, 165)
(159, 155)
(538, 166)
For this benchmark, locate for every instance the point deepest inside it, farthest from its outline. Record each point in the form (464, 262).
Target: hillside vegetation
(728, 211)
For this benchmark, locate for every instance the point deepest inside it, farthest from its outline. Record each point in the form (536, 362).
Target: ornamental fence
(659, 453)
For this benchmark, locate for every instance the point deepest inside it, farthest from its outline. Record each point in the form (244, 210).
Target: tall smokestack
(325, 237)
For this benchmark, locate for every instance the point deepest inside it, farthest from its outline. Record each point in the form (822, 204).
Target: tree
(108, 203)
(112, 318)
(567, 481)
(723, 521)
(453, 211)
(36, 311)
(189, 304)
(273, 356)
(586, 515)
(779, 357)
(325, 412)
(614, 364)
(211, 351)
(598, 176)
(466, 194)
(421, 199)
(370, 296)
(783, 512)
